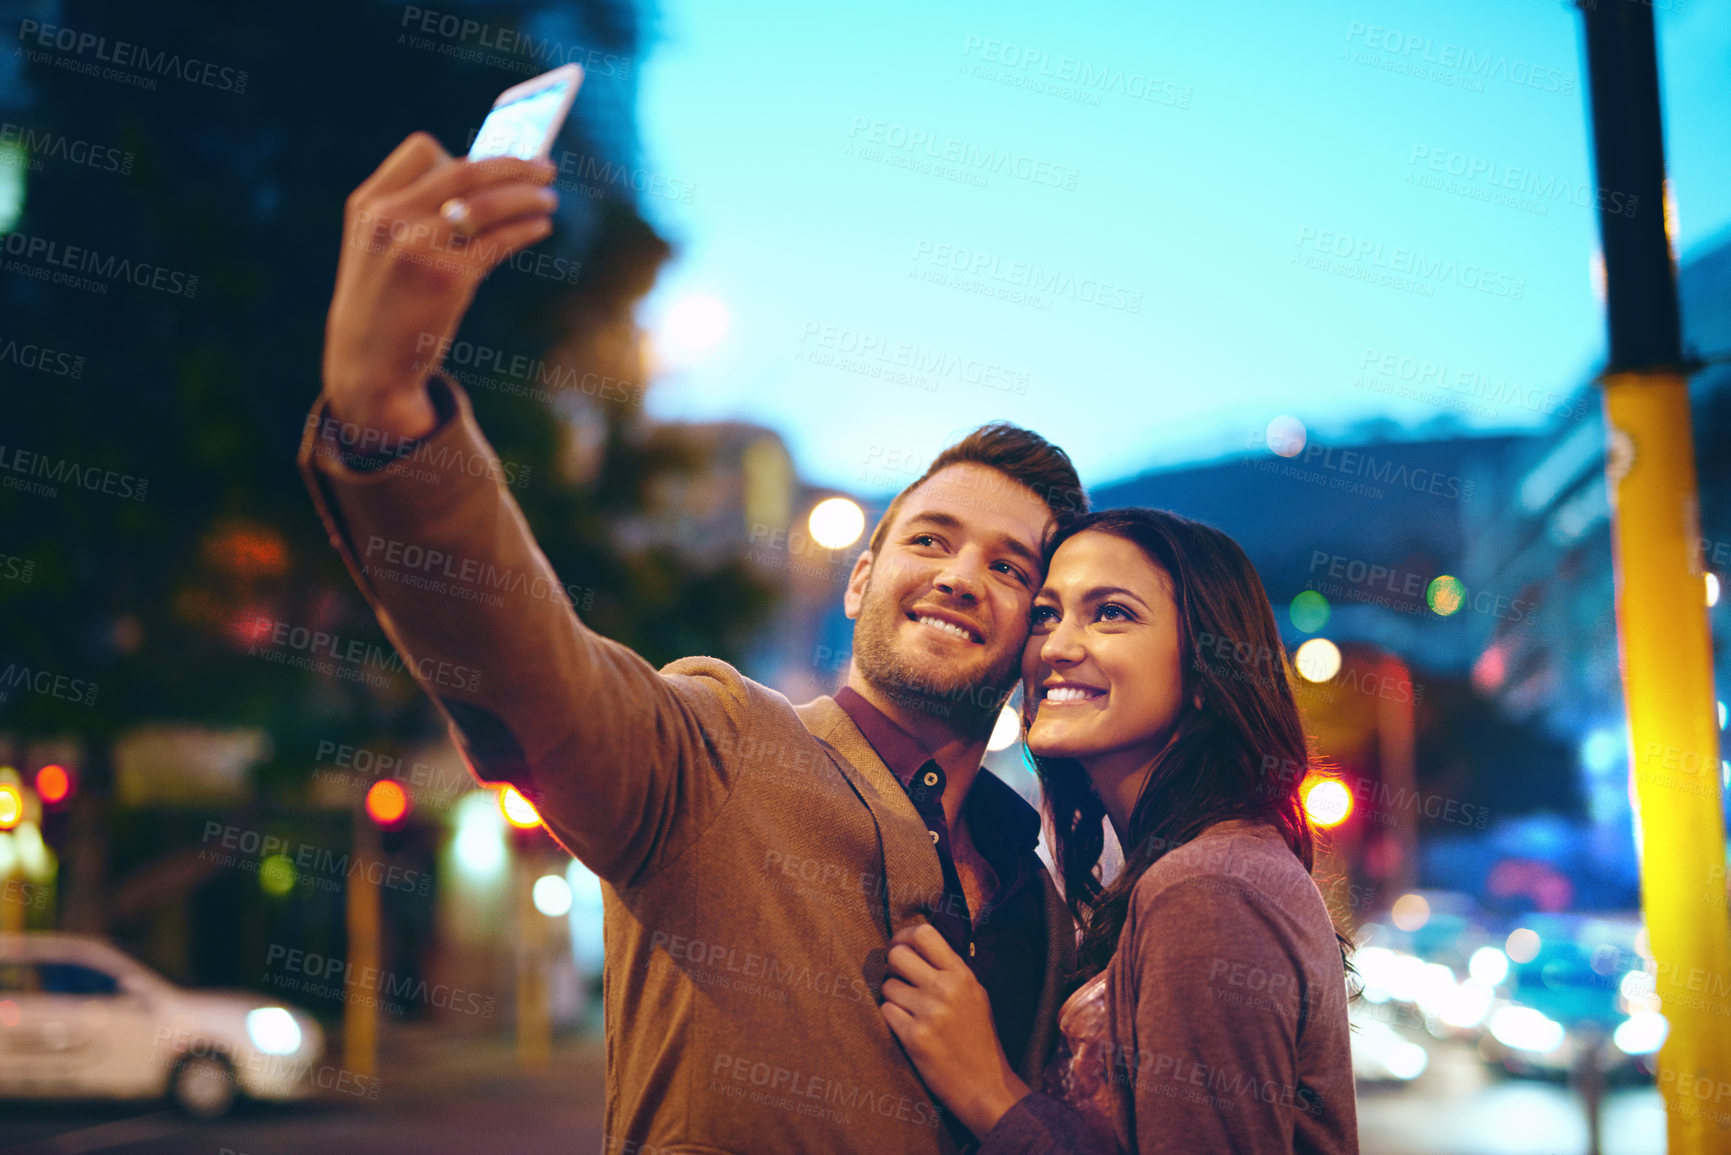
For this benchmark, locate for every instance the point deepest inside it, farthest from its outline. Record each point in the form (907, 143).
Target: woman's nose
(1063, 645)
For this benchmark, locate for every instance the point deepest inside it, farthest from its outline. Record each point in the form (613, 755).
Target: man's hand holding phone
(419, 236)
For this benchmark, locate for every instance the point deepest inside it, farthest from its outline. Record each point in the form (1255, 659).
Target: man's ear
(857, 581)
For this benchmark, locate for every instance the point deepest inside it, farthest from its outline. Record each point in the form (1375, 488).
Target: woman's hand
(941, 1014)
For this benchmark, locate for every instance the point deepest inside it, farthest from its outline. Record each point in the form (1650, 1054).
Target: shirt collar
(998, 817)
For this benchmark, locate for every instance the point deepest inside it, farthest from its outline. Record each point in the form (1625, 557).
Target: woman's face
(1102, 672)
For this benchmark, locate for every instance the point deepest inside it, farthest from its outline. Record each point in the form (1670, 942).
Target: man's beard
(966, 701)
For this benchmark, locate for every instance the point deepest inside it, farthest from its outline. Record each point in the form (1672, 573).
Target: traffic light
(11, 804)
(387, 803)
(53, 784)
(518, 810)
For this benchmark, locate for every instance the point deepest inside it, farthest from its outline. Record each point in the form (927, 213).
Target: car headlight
(1642, 1033)
(273, 1031)
(1524, 1029)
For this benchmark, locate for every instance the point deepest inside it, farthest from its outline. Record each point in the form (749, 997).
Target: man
(757, 858)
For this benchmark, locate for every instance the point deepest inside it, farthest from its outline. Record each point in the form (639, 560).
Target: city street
(1459, 1107)
(444, 1094)
(439, 1092)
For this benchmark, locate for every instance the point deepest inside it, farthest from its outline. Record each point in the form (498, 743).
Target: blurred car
(81, 1020)
(1382, 1051)
(1572, 983)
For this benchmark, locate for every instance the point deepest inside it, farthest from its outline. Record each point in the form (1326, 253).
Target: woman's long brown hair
(1241, 755)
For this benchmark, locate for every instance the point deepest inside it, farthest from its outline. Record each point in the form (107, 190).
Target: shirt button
(970, 950)
(934, 835)
(931, 778)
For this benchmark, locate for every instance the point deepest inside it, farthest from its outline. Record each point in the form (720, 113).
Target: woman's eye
(1113, 612)
(1042, 615)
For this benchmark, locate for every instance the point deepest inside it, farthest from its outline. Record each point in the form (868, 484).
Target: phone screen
(521, 127)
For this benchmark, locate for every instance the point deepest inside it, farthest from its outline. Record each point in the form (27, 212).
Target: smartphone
(527, 117)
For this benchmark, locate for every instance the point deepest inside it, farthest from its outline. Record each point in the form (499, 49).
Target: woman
(1211, 1011)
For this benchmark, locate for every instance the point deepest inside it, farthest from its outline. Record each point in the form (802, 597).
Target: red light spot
(53, 784)
(387, 803)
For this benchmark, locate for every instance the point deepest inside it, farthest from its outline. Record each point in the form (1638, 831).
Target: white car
(81, 1020)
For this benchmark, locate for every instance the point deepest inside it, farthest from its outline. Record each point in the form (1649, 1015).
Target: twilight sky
(1145, 230)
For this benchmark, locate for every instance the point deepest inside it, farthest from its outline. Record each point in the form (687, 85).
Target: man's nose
(958, 580)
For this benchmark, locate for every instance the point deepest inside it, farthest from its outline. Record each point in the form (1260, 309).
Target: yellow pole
(361, 1007)
(1667, 660)
(534, 1015)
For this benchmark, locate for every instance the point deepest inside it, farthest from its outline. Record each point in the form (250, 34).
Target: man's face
(941, 608)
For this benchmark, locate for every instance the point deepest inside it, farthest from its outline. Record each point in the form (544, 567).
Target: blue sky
(1222, 214)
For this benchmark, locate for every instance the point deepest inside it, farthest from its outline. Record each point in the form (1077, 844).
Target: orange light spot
(11, 805)
(518, 810)
(53, 784)
(387, 802)
(1327, 801)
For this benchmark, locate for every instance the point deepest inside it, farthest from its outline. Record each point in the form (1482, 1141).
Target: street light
(518, 810)
(836, 523)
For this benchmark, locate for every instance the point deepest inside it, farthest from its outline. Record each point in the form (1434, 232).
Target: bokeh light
(1445, 595)
(1327, 801)
(1522, 945)
(1317, 660)
(1309, 611)
(276, 875)
(1410, 912)
(1286, 436)
(518, 810)
(836, 523)
(53, 784)
(551, 895)
(387, 802)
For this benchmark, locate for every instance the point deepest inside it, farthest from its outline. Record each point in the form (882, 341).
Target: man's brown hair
(1019, 454)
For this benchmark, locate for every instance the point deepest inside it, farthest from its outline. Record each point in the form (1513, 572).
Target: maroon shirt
(1006, 948)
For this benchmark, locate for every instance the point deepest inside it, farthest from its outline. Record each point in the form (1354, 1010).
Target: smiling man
(756, 857)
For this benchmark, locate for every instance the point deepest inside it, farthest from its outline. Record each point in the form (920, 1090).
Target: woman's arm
(941, 1014)
(1210, 1056)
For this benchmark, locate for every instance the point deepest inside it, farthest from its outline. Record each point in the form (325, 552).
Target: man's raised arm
(412, 495)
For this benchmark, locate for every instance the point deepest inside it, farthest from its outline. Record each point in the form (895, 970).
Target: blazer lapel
(913, 878)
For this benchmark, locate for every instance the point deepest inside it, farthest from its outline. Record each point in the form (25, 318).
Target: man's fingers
(408, 162)
(497, 245)
(466, 178)
(498, 204)
(902, 995)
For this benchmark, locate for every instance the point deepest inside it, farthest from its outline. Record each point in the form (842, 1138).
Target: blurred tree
(234, 184)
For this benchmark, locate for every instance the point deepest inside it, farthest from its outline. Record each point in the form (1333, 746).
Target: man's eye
(1006, 567)
(922, 539)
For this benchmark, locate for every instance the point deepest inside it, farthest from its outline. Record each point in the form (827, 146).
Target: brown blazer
(756, 857)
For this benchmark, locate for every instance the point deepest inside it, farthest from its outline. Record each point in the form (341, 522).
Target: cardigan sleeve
(1212, 1054)
(1041, 1125)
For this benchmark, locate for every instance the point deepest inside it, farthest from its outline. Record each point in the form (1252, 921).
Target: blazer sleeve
(621, 760)
(1216, 987)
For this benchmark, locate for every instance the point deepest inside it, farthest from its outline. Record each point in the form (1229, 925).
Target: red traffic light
(387, 802)
(53, 784)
